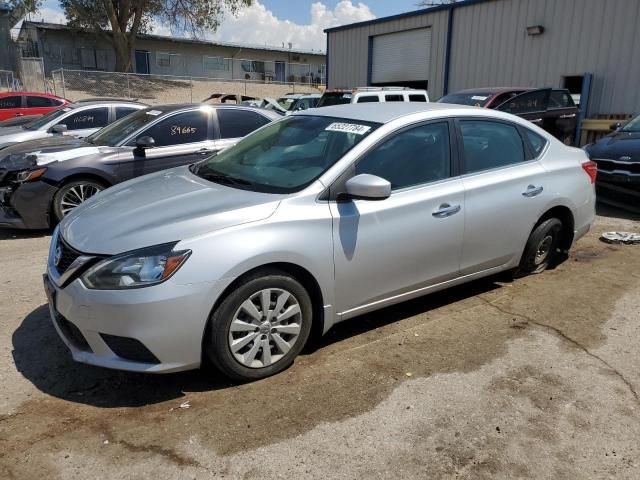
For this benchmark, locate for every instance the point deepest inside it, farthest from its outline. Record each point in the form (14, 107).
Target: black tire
(541, 248)
(59, 209)
(216, 342)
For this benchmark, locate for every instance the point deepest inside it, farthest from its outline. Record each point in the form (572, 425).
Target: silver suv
(319, 217)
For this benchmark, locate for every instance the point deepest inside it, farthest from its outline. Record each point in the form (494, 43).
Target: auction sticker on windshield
(348, 128)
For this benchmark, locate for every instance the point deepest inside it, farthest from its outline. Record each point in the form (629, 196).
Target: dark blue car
(618, 159)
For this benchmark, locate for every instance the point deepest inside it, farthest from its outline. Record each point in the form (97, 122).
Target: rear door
(232, 124)
(180, 139)
(11, 106)
(562, 116)
(505, 192)
(531, 105)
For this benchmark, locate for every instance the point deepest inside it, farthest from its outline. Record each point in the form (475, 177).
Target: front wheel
(72, 194)
(260, 327)
(541, 247)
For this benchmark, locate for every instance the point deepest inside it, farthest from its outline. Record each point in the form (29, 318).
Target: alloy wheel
(265, 328)
(77, 195)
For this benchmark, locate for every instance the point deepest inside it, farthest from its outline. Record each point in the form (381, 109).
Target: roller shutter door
(401, 56)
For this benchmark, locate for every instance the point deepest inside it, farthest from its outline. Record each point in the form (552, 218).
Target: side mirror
(142, 144)
(615, 126)
(368, 187)
(59, 128)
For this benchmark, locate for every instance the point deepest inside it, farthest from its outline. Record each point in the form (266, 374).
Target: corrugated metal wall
(349, 49)
(490, 47)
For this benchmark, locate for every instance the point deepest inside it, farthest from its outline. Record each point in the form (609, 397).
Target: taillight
(591, 168)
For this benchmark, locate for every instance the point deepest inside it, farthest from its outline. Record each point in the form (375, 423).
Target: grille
(129, 349)
(67, 256)
(610, 165)
(72, 334)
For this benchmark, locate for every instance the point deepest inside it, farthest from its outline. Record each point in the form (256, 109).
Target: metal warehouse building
(591, 47)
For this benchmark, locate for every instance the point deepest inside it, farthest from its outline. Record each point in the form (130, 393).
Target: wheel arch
(299, 273)
(565, 215)
(89, 175)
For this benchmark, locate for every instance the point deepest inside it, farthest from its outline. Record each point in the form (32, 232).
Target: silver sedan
(317, 218)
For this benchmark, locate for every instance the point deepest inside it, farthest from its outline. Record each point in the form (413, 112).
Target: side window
(92, 118)
(40, 102)
(536, 142)
(417, 98)
(368, 99)
(238, 123)
(530, 102)
(393, 98)
(490, 145)
(10, 102)
(187, 127)
(413, 157)
(560, 99)
(124, 111)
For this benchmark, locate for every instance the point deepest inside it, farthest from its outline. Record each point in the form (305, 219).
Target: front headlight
(29, 175)
(137, 269)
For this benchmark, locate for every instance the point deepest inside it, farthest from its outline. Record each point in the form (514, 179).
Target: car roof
(35, 94)
(104, 102)
(386, 112)
(494, 90)
(174, 107)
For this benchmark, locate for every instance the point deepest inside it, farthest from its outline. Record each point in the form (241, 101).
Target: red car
(17, 104)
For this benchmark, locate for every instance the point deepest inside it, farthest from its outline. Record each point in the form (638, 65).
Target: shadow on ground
(42, 358)
(612, 211)
(12, 234)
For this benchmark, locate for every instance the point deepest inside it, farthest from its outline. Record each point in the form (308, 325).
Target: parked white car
(372, 95)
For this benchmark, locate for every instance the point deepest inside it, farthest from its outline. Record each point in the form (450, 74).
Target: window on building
(238, 123)
(212, 64)
(413, 157)
(163, 60)
(490, 145)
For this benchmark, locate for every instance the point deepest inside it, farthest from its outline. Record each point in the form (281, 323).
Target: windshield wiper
(225, 179)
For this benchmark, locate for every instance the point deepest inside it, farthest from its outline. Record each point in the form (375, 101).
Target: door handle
(536, 120)
(568, 115)
(205, 151)
(19, 114)
(446, 210)
(532, 191)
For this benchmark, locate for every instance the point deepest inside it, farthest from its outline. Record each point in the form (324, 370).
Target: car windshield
(45, 119)
(633, 125)
(472, 99)
(112, 135)
(285, 156)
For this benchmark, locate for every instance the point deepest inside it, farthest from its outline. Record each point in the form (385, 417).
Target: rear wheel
(72, 194)
(542, 247)
(260, 327)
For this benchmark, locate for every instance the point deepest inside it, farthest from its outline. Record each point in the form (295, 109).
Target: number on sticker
(348, 128)
(179, 130)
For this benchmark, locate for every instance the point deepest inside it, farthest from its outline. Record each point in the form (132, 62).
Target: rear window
(394, 98)
(472, 99)
(334, 98)
(560, 99)
(417, 98)
(536, 142)
(10, 102)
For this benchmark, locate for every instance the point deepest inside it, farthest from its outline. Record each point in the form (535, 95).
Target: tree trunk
(123, 48)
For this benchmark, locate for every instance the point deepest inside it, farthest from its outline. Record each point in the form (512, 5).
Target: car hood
(39, 152)
(616, 145)
(159, 208)
(9, 135)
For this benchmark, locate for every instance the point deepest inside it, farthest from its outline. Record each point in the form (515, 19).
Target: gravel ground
(534, 378)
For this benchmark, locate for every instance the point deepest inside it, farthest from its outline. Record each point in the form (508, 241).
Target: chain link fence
(7, 81)
(163, 89)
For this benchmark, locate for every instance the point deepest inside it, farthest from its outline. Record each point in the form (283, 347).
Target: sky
(278, 22)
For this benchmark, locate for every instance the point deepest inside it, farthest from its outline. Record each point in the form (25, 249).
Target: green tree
(120, 21)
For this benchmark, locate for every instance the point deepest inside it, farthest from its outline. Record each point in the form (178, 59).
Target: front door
(411, 240)
(504, 194)
(180, 139)
(280, 71)
(142, 61)
(531, 105)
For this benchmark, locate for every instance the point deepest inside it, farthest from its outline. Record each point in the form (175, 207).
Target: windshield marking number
(178, 130)
(348, 128)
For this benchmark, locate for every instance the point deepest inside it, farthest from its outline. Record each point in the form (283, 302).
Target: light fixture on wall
(535, 30)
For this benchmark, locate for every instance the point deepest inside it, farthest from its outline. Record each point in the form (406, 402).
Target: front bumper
(27, 206)
(166, 321)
